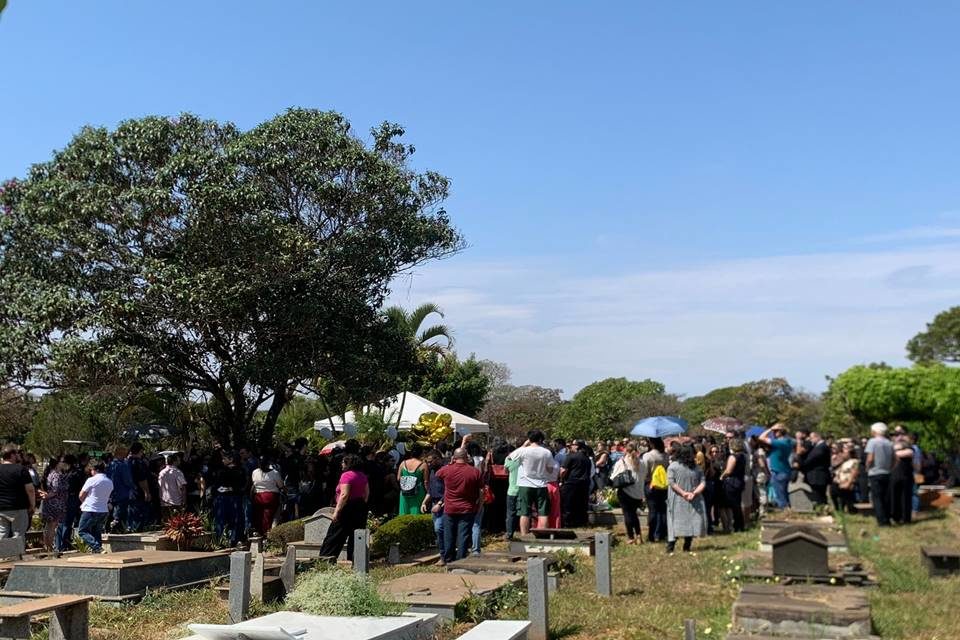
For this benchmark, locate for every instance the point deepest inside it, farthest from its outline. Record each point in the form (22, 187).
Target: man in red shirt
(462, 494)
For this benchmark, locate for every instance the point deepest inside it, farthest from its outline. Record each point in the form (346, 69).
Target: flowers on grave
(183, 528)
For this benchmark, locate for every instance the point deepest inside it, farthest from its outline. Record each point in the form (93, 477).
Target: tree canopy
(185, 253)
(511, 411)
(926, 397)
(940, 342)
(762, 402)
(603, 409)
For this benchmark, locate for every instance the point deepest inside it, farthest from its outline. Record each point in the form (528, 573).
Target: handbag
(623, 479)
(488, 496)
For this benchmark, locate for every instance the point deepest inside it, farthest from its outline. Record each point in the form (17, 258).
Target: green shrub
(340, 592)
(283, 534)
(413, 533)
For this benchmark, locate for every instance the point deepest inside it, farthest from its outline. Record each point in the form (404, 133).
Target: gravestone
(361, 551)
(393, 555)
(288, 570)
(603, 563)
(13, 547)
(315, 527)
(239, 598)
(537, 599)
(801, 497)
(554, 534)
(799, 550)
(257, 574)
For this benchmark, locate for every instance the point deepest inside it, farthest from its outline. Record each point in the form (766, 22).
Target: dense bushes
(339, 592)
(412, 533)
(283, 534)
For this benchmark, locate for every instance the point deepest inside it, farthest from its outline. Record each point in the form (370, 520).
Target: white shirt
(537, 466)
(264, 481)
(97, 490)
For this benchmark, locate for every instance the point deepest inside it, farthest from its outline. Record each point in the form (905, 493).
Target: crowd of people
(689, 486)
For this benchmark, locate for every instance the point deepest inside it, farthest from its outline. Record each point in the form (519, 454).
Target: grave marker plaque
(800, 551)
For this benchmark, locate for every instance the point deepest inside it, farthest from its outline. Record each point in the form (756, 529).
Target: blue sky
(699, 193)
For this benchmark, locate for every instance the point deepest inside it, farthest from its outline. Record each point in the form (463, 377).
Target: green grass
(908, 603)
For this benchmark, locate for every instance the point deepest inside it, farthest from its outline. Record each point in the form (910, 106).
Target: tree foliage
(511, 410)
(460, 385)
(430, 342)
(185, 253)
(762, 402)
(940, 342)
(926, 397)
(602, 410)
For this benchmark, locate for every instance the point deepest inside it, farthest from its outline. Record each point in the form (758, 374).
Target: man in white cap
(879, 465)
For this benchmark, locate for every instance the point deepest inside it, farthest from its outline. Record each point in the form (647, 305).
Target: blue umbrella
(659, 427)
(755, 430)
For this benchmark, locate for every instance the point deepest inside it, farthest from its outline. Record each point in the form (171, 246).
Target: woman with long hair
(732, 481)
(686, 512)
(627, 476)
(413, 476)
(350, 512)
(53, 509)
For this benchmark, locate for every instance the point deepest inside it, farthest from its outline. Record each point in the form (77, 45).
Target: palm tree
(425, 340)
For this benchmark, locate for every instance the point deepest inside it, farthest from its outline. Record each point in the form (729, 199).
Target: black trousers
(656, 514)
(574, 500)
(353, 517)
(631, 516)
(687, 542)
(901, 499)
(732, 495)
(880, 497)
(819, 493)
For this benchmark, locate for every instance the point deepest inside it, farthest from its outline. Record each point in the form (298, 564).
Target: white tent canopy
(413, 407)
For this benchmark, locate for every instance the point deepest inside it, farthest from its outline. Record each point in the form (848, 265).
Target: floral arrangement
(183, 528)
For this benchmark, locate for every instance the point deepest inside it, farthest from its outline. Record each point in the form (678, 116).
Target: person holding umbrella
(655, 462)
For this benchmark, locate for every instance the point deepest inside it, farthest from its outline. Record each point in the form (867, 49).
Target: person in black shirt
(75, 479)
(229, 486)
(18, 497)
(139, 512)
(575, 486)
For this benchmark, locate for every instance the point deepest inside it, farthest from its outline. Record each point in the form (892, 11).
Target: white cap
(878, 428)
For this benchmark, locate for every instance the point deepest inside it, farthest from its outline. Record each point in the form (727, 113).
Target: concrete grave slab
(800, 550)
(941, 561)
(440, 593)
(405, 627)
(836, 540)
(117, 580)
(804, 611)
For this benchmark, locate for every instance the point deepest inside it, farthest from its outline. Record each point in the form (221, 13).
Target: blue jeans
(438, 531)
(511, 515)
(91, 528)
(228, 514)
(781, 494)
(137, 513)
(476, 530)
(63, 540)
(456, 534)
(121, 513)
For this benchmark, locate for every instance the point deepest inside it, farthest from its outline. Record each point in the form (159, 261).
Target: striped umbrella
(722, 424)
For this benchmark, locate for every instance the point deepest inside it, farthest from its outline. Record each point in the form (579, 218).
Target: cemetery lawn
(654, 592)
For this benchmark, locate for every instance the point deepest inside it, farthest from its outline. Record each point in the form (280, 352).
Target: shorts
(528, 497)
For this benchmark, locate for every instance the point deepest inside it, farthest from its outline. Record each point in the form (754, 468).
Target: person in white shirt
(173, 487)
(537, 469)
(95, 500)
(266, 493)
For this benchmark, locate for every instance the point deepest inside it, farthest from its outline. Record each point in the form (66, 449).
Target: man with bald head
(462, 495)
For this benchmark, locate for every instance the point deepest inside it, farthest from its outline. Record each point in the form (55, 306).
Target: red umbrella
(722, 424)
(331, 447)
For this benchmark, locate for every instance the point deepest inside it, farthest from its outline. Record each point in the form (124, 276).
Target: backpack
(659, 478)
(408, 484)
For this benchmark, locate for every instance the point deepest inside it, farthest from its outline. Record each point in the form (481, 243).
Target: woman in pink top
(350, 512)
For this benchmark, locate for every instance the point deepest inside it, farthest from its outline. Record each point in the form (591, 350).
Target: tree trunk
(280, 399)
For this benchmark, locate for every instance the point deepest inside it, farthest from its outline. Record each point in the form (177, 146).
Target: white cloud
(802, 317)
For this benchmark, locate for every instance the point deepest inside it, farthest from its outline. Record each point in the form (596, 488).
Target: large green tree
(941, 340)
(461, 385)
(186, 253)
(604, 409)
(925, 397)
